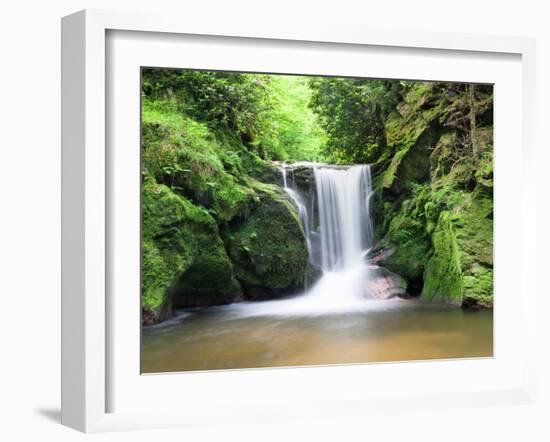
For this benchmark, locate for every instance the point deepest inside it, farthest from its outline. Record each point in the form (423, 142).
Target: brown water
(396, 330)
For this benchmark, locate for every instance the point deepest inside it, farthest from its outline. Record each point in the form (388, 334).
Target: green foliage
(295, 133)
(190, 159)
(268, 115)
(353, 113)
(220, 99)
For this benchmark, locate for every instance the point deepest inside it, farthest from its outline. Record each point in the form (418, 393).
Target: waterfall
(343, 231)
(339, 233)
(345, 226)
(300, 205)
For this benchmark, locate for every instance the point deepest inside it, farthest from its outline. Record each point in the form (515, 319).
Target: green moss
(442, 240)
(165, 252)
(474, 233)
(156, 277)
(183, 256)
(443, 276)
(209, 279)
(412, 140)
(435, 206)
(484, 172)
(440, 231)
(443, 150)
(475, 229)
(269, 249)
(195, 162)
(478, 287)
(418, 95)
(411, 248)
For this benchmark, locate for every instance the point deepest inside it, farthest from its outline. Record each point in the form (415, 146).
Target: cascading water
(337, 242)
(345, 226)
(300, 205)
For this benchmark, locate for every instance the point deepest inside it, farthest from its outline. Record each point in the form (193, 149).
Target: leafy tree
(353, 112)
(269, 114)
(295, 133)
(222, 100)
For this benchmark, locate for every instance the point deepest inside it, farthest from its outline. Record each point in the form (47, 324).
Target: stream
(386, 330)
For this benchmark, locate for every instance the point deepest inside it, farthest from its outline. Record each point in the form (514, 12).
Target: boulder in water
(269, 250)
(184, 262)
(383, 284)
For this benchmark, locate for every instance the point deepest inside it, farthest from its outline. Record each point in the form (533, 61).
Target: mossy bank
(216, 226)
(434, 197)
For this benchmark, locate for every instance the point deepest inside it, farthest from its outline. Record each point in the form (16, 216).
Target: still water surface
(242, 336)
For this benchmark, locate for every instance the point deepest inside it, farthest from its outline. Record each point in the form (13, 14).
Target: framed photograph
(277, 223)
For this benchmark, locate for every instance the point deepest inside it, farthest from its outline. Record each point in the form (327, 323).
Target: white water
(345, 226)
(338, 244)
(300, 205)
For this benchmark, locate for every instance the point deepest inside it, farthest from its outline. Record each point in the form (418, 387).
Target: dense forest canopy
(270, 114)
(211, 188)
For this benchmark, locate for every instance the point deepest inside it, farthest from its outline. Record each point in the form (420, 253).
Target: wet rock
(269, 250)
(383, 284)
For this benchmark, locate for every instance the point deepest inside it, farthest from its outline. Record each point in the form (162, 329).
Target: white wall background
(30, 216)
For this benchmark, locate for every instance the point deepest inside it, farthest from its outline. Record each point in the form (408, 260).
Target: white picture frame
(86, 205)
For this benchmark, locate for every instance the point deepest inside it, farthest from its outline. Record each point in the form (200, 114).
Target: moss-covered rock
(434, 205)
(478, 287)
(460, 271)
(412, 133)
(474, 227)
(443, 280)
(474, 234)
(184, 262)
(409, 248)
(411, 164)
(269, 249)
(158, 270)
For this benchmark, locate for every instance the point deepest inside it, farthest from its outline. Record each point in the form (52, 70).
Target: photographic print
(293, 220)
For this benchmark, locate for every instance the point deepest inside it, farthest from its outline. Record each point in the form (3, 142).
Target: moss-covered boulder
(474, 234)
(478, 287)
(434, 204)
(412, 132)
(443, 276)
(184, 262)
(408, 259)
(406, 247)
(460, 271)
(269, 250)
